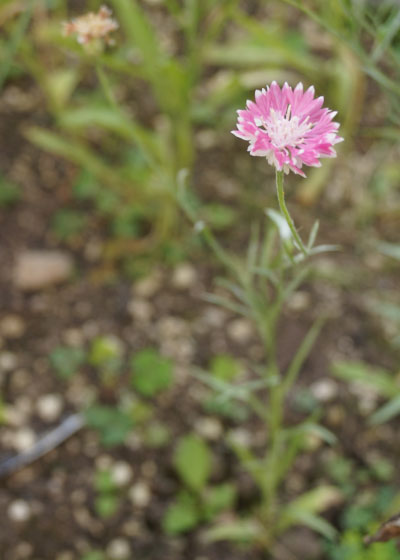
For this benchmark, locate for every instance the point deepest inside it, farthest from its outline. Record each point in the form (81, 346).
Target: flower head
(92, 26)
(288, 127)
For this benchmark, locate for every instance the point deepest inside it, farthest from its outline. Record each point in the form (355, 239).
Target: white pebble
(121, 473)
(119, 549)
(12, 326)
(240, 330)
(140, 494)
(241, 437)
(49, 407)
(8, 361)
(299, 301)
(324, 390)
(148, 286)
(140, 309)
(23, 439)
(19, 511)
(210, 428)
(184, 276)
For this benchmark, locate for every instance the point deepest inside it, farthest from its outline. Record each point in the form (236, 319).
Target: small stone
(73, 337)
(19, 511)
(214, 317)
(121, 473)
(241, 437)
(23, 439)
(170, 327)
(209, 428)
(35, 270)
(299, 301)
(49, 407)
(119, 549)
(104, 462)
(324, 390)
(12, 326)
(184, 276)
(8, 361)
(336, 415)
(140, 494)
(148, 286)
(23, 550)
(240, 330)
(140, 309)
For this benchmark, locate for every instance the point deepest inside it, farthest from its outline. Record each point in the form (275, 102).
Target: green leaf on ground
(193, 461)
(151, 372)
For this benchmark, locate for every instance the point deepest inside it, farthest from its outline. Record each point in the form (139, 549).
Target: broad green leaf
(193, 461)
(112, 424)
(106, 505)
(67, 360)
(104, 482)
(182, 515)
(219, 498)
(151, 372)
(106, 352)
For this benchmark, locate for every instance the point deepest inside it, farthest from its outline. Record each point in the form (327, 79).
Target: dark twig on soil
(47, 443)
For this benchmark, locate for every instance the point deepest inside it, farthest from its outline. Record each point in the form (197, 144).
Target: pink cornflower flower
(92, 26)
(288, 127)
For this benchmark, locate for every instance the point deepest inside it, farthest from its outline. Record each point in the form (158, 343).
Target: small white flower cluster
(92, 26)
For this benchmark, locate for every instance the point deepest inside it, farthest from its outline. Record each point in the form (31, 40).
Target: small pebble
(140, 309)
(24, 439)
(210, 428)
(35, 270)
(240, 436)
(240, 330)
(12, 326)
(119, 549)
(140, 494)
(49, 407)
(121, 473)
(299, 301)
(170, 327)
(23, 550)
(148, 286)
(324, 390)
(8, 361)
(19, 511)
(184, 276)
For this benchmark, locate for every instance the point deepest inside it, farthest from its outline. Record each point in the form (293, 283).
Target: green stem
(106, 86)
(285, 212)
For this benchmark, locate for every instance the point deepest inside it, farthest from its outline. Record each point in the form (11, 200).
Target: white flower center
(285, 130)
